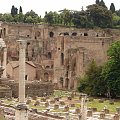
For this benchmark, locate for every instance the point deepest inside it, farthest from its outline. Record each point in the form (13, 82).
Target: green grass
(100, 106)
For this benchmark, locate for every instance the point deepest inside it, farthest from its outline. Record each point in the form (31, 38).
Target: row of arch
(51, 34)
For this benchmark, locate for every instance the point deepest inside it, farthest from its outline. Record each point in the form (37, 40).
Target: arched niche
(51, 34)
(74, 34)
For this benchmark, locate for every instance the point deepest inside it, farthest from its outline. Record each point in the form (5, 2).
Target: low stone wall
(5, 91)
(32, 88)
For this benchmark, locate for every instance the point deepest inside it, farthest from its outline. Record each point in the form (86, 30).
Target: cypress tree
(20, 10)
(112, 8)
(97, 2)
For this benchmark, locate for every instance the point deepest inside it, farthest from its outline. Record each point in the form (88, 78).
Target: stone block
(102, 115)
(89, 113)
(56, 98)
(46, 104)
(72, 105)
(77, 110)
(62, 103)
(106, 111)
(28, 101)
(94, 109)
(56, 107)
(66, 108)
(69, 98)
(116, 117)
(37, 102)
(34, 97)
(52, 101)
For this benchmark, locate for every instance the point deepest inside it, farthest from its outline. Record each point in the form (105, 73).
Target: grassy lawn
(100, 106)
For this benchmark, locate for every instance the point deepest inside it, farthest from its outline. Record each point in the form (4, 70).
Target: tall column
(83, 107)
(21, 109)
(22, 46)
(4, 61)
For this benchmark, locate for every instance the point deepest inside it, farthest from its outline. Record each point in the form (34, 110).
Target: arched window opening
(46, 76)
(35, 37)
(58, 48)
(26, 77)
(28, 35)
(66, 33)
(74, 34)
(47, 67)
(51, 34)
(62, 59)
(49, 55)
(85, 34)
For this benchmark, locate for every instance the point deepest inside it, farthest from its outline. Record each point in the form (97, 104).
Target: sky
(40, 6)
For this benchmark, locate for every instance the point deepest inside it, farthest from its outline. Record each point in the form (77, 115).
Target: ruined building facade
(60, 54)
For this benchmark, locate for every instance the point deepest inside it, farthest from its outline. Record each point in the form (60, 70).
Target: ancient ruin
(58, 55)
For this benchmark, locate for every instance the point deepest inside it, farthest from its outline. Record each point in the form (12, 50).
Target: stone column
(4, 61)
(22, 46)
(21, 109)
(83, 107)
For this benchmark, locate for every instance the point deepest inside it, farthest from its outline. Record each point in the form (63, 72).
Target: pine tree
(112, 8)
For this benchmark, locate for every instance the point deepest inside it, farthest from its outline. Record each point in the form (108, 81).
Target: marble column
(21, 109)
(4, 62)
(83, 107)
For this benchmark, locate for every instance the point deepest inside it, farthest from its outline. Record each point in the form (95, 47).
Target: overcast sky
(40, 6)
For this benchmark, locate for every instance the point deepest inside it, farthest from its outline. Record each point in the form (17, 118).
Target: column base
(21, 112)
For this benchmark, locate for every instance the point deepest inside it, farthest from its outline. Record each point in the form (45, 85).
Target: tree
(49, 18)
(112, 8)
(93, 83)
(80, 19)
(118, 12)
(97, 2)
(102, 3)
(20, 10)
(30, 17)
(111, 71)
(116, 20)
(100, 15)
(14, 11)
(7, 17)
(66, 15)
